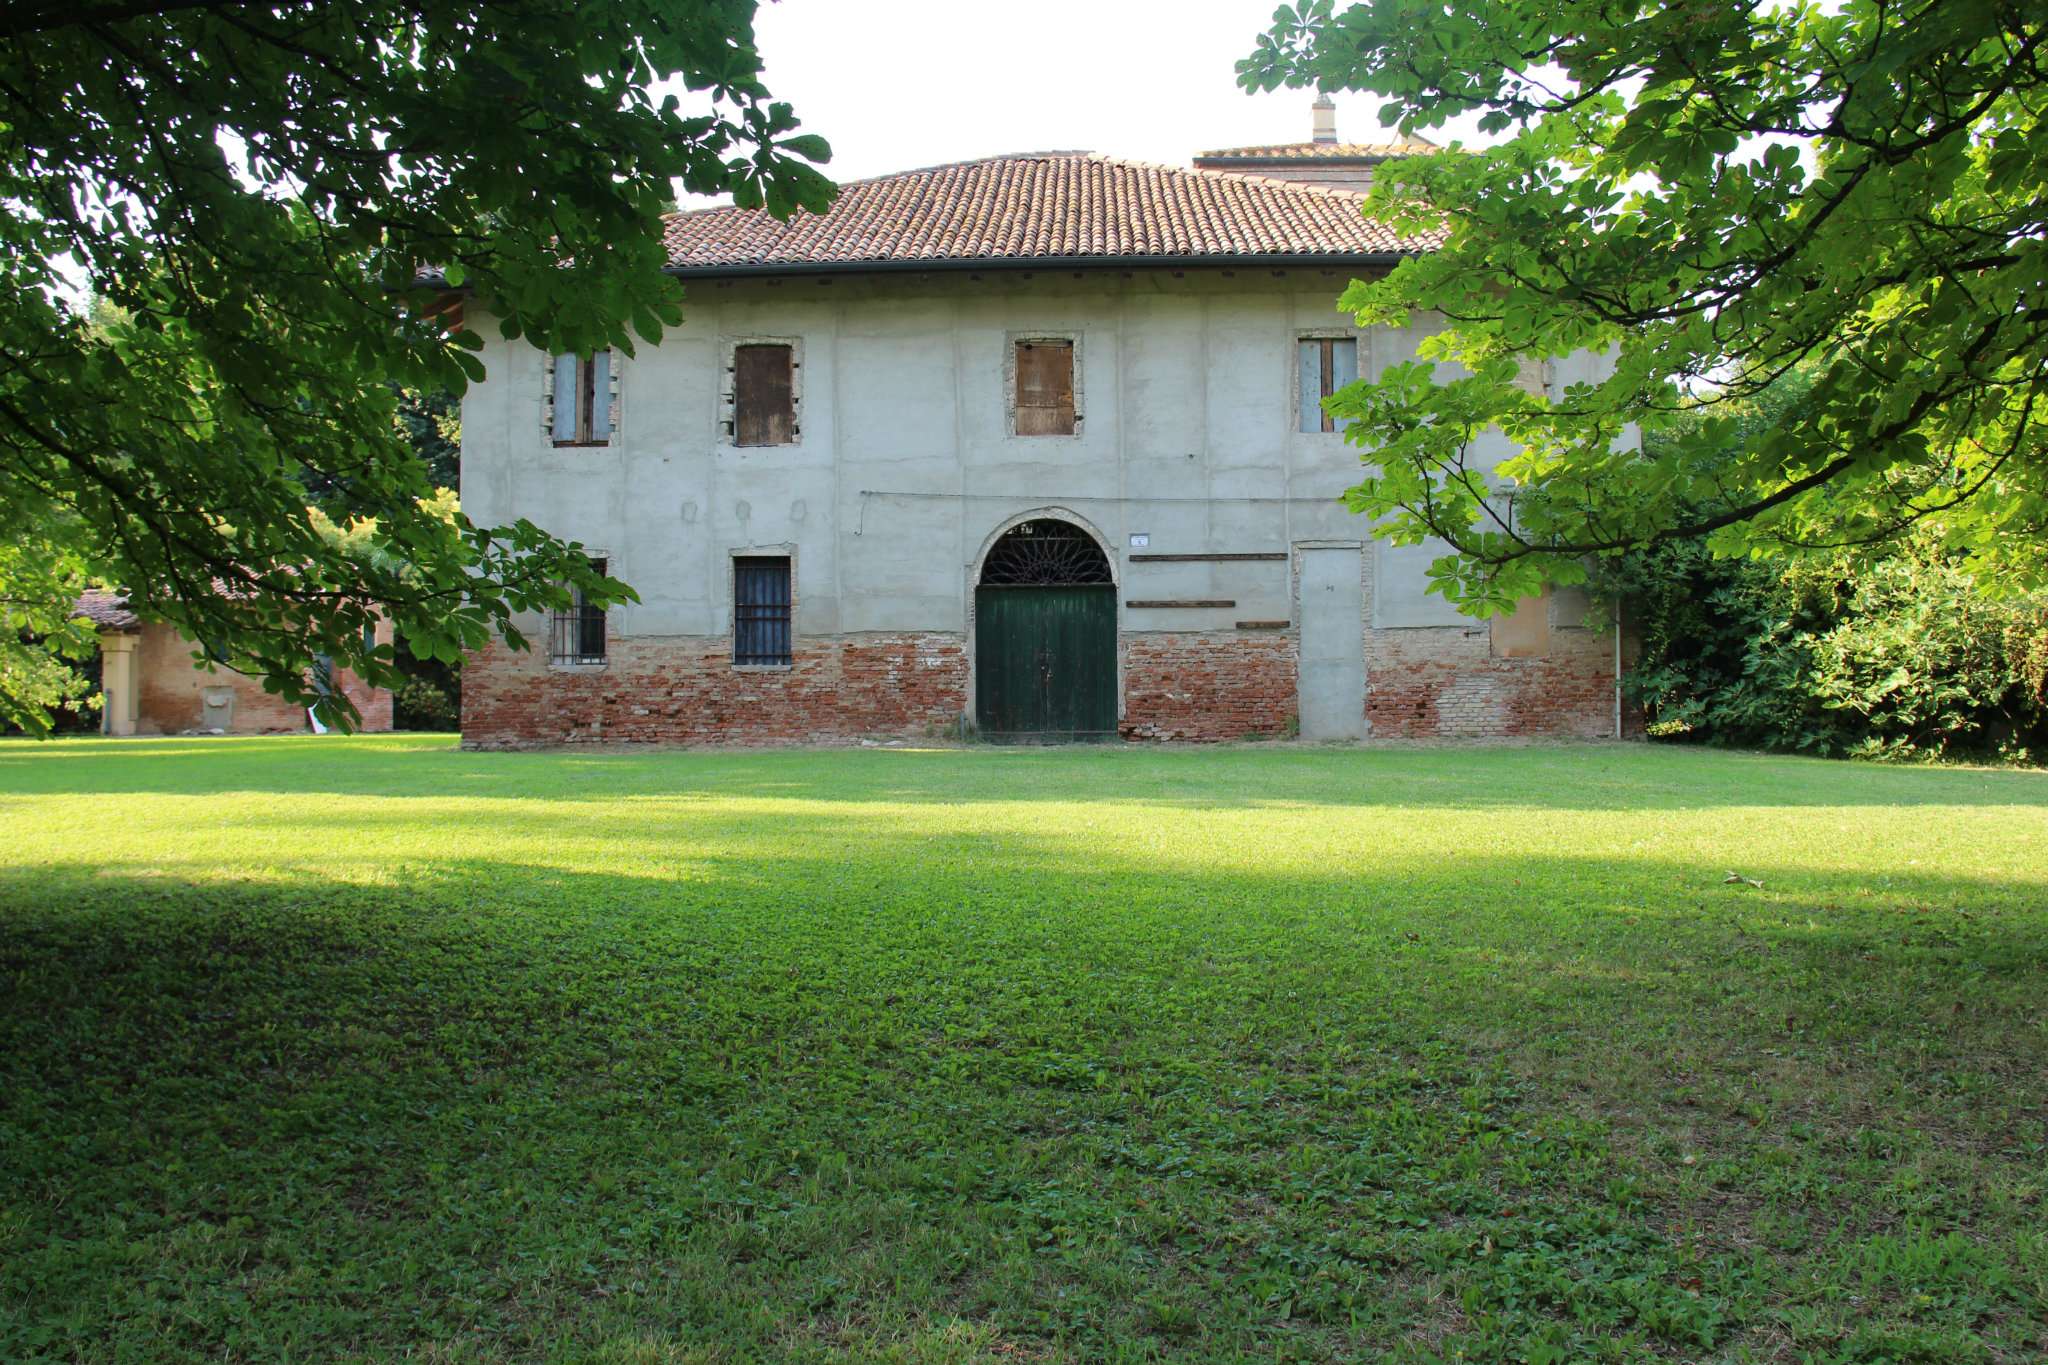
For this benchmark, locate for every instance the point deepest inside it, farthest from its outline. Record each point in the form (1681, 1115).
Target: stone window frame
(727, 419)
(596, 554)
(1360, 335)
(1073, 337)
(781, 549)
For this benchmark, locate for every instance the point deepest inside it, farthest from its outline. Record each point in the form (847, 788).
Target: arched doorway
(1045, 636)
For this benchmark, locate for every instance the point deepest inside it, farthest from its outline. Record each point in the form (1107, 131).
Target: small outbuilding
(155, 684)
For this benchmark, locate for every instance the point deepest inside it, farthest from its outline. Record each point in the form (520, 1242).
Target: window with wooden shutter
(1045, 388)
(1327, 364)
(761, 611)
(763, 395)
(581, 403)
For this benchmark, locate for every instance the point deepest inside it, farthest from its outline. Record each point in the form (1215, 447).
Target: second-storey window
(1327, 365)
(763, 394)
(1045, 388)
(580, 399)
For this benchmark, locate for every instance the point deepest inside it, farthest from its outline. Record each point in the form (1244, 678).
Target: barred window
(761, 611)
(576, 632)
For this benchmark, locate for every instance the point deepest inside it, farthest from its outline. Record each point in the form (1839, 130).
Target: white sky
(897, 84)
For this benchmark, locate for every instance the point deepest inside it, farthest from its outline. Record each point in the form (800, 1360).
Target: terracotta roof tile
(107, 610)
(1320, 151)
(1041, 205)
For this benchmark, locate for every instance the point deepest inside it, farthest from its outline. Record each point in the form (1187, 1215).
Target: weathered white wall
(904, 468)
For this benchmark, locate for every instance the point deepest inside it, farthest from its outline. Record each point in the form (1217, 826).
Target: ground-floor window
(576, 632)
(761, 611)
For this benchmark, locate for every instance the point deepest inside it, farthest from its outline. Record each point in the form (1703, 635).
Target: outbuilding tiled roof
(1055, 206)
(108, 611)
(1321, 151)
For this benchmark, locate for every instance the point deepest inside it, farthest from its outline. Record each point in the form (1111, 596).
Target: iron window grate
(576, 632)
(761, 612)
(1045, 553)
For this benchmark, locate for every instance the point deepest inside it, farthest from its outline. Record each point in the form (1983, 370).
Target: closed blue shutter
(601, 396)
(1343, 364)
(1309, 383)
(1343, 369)
(567, 391)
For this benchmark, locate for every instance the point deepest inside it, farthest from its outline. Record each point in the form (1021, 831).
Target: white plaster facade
(905, 466)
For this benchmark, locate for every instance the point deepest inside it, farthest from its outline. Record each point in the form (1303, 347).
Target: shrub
(1895, 653)
(430, 698)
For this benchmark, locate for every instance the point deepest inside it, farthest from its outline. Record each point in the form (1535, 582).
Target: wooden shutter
(563, 397)
(763, 396)
(601, 396)
(1326, 365)
(1045, 388)
(1309, 386)
(1343, 373)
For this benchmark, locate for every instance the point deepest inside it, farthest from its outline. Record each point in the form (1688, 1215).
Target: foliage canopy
(1883, 651)
(1713, 194)
(258, 192)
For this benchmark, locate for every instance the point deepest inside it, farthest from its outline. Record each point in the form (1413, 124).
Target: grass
(350, 1049)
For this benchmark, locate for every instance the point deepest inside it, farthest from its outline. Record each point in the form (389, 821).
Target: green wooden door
(1045, 662)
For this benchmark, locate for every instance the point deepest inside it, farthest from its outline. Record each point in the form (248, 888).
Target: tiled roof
(108, 611)
(1321, 151)
(1041, 206)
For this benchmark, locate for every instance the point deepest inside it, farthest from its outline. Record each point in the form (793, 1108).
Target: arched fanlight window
(1044, 554)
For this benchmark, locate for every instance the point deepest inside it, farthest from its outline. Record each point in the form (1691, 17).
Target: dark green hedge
(1890, 654)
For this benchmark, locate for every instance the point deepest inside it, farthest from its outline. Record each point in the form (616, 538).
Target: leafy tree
(432, 423)
(259, 192)
(1713, 194)
(429, 695)
(1890, 650)
(41, 645)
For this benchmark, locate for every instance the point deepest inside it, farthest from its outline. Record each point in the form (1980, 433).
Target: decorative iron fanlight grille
(1044, 554)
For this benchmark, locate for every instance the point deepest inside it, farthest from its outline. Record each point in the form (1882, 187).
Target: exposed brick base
(1212, 685)
(685, 690)
(1444, 683)
(1431, 683)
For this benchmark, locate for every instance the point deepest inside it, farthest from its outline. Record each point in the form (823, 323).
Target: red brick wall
(1429, 683)
(171, 689)
(1443, 682)
(1209, 685)
(685, 690)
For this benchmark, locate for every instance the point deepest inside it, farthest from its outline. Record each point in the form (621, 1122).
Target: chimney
(1325, 118)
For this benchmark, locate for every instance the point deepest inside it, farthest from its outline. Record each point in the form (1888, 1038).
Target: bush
(430, 698)
(1892, 654)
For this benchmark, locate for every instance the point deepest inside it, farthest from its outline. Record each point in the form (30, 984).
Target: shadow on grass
(854, 1092)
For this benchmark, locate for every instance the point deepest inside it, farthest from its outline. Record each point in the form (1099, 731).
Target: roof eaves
(961, 264)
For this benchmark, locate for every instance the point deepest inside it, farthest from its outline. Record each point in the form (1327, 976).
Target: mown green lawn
(318, 1048)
